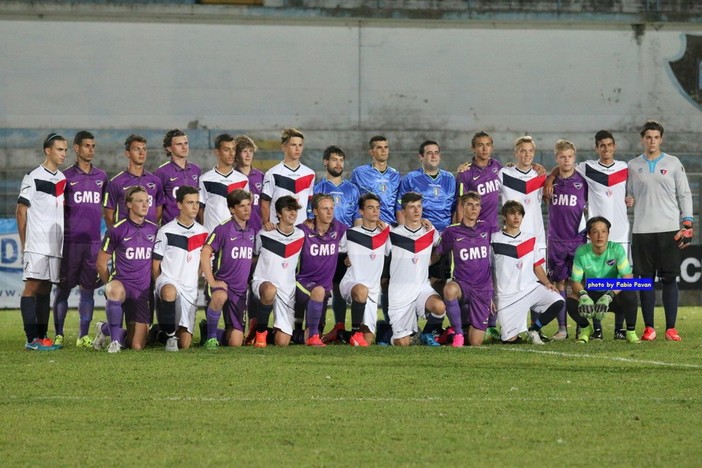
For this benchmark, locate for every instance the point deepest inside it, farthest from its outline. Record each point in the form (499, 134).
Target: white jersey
(214, 188)
(42, 191)
(179, 247)
(409, 264)
(527, 188)
(606, 187)
(367, 249)
(278, 255)
(513, 260)
(280, 180)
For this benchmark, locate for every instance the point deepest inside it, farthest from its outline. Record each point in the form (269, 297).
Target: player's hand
(463, 167)
(541, 170)
(268, 226)
(602, 305)
(426, 224)
(381, 224)
(684, 236)
(548, 187)
(629, 201)
(218, 284)
(586, 307)
(493, 307)
(309, 223)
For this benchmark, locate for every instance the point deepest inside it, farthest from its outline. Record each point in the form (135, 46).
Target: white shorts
(403, 315)
(41, 267)
(283, 306)
(370, 315)
(186, 304)
(512, 309)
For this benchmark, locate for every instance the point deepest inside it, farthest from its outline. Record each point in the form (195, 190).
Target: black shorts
(655, 254)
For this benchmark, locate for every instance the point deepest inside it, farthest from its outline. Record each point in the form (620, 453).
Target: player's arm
(101, 264)
(159, 213)
(206, 267)
(266, 213)
(543, 278)
(548, 185)
(109, 214)
(21, 215)
(155, 268)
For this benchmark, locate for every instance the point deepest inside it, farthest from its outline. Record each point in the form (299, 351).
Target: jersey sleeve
(577, 273)
(27, 191)
(343, 244)
(160, 199)
(402, 189)
(108, 243)
(160, 245)
(682, 190)
(203, 193)
(268, 187)
(623, 265)
(258, 244)
(388, 244)
(110, 201)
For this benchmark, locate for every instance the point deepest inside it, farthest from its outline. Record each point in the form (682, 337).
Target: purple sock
(113, 310)
(212, 321)
(220, 335)
(105, 328)
(60, 309)
(492, 320)
(453, 312)
(314, 316)
(562, 316)
(86, 305)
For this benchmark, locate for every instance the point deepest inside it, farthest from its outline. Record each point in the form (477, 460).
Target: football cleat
(427, 339)
(671, 334)
(99, 340)
(211, 343)
(458, 340)
(251, 337)
(58, 341)
(115, 347)
(631, 337)
(597, 335)
(260, 340)
(332, 336)
(152, 337)
(491, 334)
(172, 343)
(649, 334)
(298, 336)
(535, 337)
(357, 339)
(446, 337)
(37, 345)
(620, 335)
(202, 325)
(314, 340)
(584, 334)
(560, 335)
(46, 341)
(84, 342)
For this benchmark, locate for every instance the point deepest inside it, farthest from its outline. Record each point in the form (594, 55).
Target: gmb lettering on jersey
(474, 253)
(87, 197)
(564, 199)
(488, 187)
(242, 252)
(138, 253)
(323, 250)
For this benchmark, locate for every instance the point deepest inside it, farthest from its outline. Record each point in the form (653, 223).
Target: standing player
(600, 259)
(175, 268)
(136, 175)
(218, 182)
(243, 158)
(288, 177)
(85, 188)
(410, 294)
(367, 246)
(379, 178)
(130, 244)
(273, 280)
(658, 184)
(520, 280)
(40, 227)
(345, 195)
(468, 243)
(566, 219)
(232, 244)
(176, 172)
(324, 239)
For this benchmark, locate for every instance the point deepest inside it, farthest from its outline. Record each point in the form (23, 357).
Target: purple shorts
(233, 310)
(137, 305)
(78, 265)
(475, 306)
(560, 258)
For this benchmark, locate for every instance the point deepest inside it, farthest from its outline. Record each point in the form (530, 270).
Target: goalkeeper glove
(586, 307)
(684, 236)
(602, 305)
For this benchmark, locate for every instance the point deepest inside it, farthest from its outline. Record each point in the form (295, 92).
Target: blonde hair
(289, 133)
(523, 139)
(562, 145)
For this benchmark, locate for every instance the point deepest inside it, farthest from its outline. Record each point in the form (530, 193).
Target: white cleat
(534, 337)
(172, 344)
(115, 347)
(99, 340)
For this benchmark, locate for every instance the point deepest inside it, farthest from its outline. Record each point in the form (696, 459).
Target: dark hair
(468, 195)
(603, 135)
(512, 206)
(651, 125)
(82, 135)
(168, 139)
(185, 190)
(375, 139)
(50, 138)
(131, 191)
(477, 135)
(131, 139)
(243, 142)
(289, 133)
(597, 219)
(427, 143)
(224, 137)
(409, 197)
(365, 197)
(287, 201)
(318, 197)
(235, 197)
(332, 150)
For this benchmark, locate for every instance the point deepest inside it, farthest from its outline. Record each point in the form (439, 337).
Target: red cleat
(671, 334)
(357, 339)
(315, 341)
(260, 341)
(649, 334)
(332, 336)
(444, 337)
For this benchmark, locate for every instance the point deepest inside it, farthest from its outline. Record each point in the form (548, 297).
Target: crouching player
(520, 280)
(410, 292)
(324, 239)
(367, 246)
(273, 281)
(232, 243)
(175, 268)
(601, 258)
(130, 244)
(468, 242)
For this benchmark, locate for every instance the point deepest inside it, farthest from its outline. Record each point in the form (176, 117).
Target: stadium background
(342, 71)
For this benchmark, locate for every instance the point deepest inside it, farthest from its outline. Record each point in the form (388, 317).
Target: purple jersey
(233, 248)
(131, 245)
(470, 254)
(173, 177)
(319, 255)
(486, 182)
(566, 211)
(118, 186)
(83, 204)
(255, 186)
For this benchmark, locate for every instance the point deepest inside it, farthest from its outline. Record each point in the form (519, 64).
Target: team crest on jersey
(609, 193)
(527, 201)
(251, 238)
(337, 200)
(611, 262)
(436, 191)
(194, 176)
(151, 185)
(285, 264)
(150, 238)
(494, 170)
(520, 265)
(333, 235)
(99, 183)
(415, 260)
(258, 185)
(664, 171)
(372, 255)
(577, 185)
(383, 187)
(483, 235)
(189, 257)
(640, 170)
(687, 70)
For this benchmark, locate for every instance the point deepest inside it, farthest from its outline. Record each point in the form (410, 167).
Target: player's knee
(317, 294)
(282, 339)
(404, 341)
(436, 306)
(267, 292)
(451, 291)
(668, 278)
(185, 339)
(217, 300)
(359, 293)
(168, 293)
(114, 291)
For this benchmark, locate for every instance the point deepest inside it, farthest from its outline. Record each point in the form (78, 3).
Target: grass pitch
(561, 404)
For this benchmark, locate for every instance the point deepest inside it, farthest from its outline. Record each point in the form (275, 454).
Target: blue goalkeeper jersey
(384, 184)
(438, 195)
(345, 199)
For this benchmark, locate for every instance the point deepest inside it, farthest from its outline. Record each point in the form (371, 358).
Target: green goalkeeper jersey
(612, 263)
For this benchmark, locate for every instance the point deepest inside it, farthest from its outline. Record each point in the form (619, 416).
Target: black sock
(43, 310)
(166, 314)
(572, 308)
(264, 313)
(670, 302)
(648, 303)
(28, 307)
(546, 317)
(357, 311)
(433, 323)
